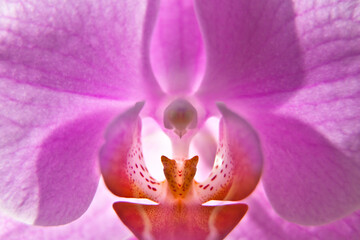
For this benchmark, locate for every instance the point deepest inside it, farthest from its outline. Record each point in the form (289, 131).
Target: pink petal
(49, 145)
(261, 222)
(86, 47)
(311, 145)
(238, 162)
(54, 58)
(329, 102)
(99, 222)
(252, 50)
(324, 113)
(177, 54)
(308, 180)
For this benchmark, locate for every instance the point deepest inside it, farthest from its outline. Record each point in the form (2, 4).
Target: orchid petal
(85, 47)
(329, 102)
(180, 222)
(238, 163)
(265, 223)
(43, 134)
(52, 63)
(325, 113)
(252, 51)
(177, 49)
(308, 180)
(122, 161)
(86, 227)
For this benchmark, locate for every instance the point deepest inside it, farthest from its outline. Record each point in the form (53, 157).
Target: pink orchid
(281, 78)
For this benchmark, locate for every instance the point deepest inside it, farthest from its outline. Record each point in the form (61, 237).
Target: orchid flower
(280, 79)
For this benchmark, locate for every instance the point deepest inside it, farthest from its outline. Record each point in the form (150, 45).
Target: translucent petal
(86, 227)
(308, 180)
(252, 51)
(86, 47)
(44, 165)
(262, 222)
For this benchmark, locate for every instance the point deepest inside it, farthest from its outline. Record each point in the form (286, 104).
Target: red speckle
(206, 186)
(226, 166)
(139, 158)
(221, 171)
(152, 178)
(180, 175)
(142, 167)
(224, 175)
(216, 166)
(141, 174)
(134, 172)
(136, 165)
(211, 188)
(147, 179)
(154, 189)
(149, 187)
(222, 163)
(152, 182)
(201, 186)
(213, 178)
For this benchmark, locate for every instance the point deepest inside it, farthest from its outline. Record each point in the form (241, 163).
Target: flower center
(180, 212)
